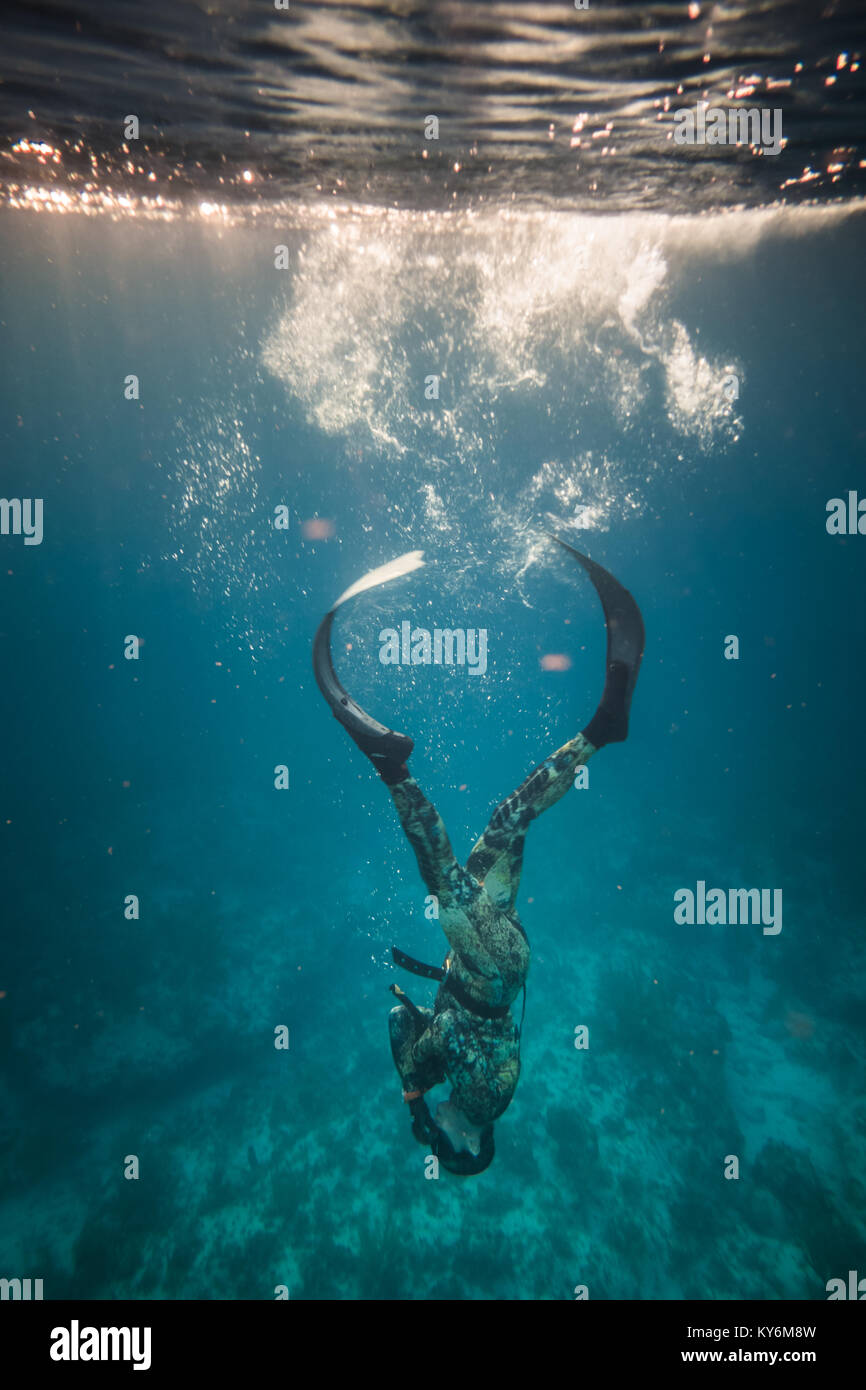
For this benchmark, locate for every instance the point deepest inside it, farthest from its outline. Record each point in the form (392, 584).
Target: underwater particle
(799, 1025)
(318, 529)
(555, 661)
(2, 994)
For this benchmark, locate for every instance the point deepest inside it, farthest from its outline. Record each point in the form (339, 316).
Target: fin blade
(626, 639)
(381, 744)
(394, 569)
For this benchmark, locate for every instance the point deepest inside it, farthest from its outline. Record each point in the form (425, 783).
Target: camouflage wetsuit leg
(497, 857)
(489, 957)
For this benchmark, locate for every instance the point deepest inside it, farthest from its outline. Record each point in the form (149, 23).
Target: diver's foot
(390, 773)
(386, 750)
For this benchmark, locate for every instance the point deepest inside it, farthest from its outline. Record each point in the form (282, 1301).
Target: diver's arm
(434, 1041)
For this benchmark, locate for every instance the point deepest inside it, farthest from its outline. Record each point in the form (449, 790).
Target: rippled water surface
(536, 103)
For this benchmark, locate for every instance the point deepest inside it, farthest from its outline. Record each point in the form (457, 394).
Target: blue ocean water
(679, 395)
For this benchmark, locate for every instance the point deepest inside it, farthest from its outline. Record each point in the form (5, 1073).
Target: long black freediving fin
(384, 747)
(625, 648)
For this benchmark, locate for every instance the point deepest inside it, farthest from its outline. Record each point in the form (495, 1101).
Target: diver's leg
(465, 913)
(426, 833)
(497, 858)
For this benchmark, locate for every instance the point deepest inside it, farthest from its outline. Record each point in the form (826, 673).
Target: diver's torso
(482, 1055)
(481, 1058)
(496, 972)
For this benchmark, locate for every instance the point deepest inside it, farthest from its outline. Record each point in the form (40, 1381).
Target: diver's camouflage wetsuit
(489, 957)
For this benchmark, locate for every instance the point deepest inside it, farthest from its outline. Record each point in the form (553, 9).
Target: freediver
(469, 1037)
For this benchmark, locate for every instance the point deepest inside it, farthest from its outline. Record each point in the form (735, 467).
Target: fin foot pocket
(609, 724)
(386, 749)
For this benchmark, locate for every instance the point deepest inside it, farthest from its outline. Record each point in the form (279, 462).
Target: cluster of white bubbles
(490, 369)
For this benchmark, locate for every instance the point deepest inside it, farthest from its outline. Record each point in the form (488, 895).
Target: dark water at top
(539, 104)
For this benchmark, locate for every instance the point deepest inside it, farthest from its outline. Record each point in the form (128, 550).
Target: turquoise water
(678, 396)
